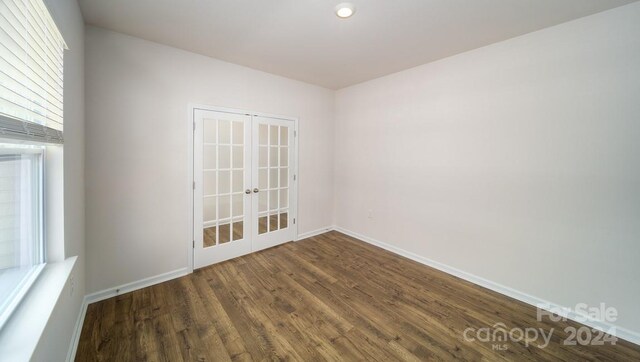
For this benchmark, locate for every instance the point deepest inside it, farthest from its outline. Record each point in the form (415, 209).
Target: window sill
(21, 280)
(21, 333)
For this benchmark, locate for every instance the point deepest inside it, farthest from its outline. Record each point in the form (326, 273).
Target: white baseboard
(112, 292)
(139, 284)
(75, 338)
(623, 333)
(313, 233)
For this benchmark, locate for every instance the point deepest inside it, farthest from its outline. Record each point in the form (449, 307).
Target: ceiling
(304, 40)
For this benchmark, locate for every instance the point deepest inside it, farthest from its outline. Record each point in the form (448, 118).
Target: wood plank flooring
(329, 297)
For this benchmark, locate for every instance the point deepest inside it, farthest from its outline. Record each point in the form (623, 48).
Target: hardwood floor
(329, 297)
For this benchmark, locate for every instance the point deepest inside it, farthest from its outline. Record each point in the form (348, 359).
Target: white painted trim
(16, 295)
(130, 287)
(204, 107)
(296, 182)
(190, 180)
(20, 336)
(228, 220)
(310, 234)
(75, 337)
(623, 333)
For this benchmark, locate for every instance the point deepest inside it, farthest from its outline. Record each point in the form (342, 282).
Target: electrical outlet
(370, 214)
(72, 285)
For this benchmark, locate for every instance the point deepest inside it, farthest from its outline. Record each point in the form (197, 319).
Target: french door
(244, 184)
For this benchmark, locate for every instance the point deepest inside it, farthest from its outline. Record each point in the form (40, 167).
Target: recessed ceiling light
(345, 10)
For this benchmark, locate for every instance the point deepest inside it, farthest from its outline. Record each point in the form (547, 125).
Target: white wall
(517, 162)
(137, 198)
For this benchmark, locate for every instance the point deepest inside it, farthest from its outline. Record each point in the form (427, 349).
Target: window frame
(13, 299)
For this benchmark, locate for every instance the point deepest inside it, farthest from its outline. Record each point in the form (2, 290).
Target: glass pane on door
(273, 178)
(223, 181)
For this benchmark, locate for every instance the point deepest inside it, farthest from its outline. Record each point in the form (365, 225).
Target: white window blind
(31, 72)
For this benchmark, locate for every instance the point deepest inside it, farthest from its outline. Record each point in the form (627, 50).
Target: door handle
(256, 190)
(247, 191)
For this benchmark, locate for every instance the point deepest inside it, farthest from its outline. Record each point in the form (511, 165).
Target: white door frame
(192, 107)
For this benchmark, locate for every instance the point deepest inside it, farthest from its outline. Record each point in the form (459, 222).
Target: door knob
(247, 191)
(256, 190)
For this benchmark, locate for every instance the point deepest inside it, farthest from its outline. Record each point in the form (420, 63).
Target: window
(21, 245)
(31, 121)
